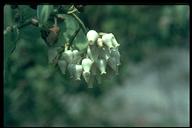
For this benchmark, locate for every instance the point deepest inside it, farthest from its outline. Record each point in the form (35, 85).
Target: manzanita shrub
(73, 47)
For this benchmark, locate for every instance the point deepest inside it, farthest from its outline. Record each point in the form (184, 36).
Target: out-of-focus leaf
(71, 27)
(31, 33)
(26, 12)
(43, 12)
(81, 41)
(52, 53)
(10, 39)
(8, 20)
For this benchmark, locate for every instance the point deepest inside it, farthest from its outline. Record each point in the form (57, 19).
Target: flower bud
(100, 42)
(78, 72)
(68, 56)
(102, 66)
(62, 65)
(114, 41)
(86, 64)
(92, 36)
(107, 40)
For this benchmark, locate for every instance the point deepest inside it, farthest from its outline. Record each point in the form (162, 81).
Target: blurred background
(152, 88)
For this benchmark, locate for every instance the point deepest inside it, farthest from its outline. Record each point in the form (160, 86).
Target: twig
(73, 37)
(28, 22)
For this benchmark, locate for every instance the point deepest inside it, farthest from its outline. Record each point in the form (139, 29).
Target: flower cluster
(102, 51)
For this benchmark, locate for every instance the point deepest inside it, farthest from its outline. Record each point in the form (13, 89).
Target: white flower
(92, 36)
(107, 40)
(78, 72)
(102, 66)
(114, 41)
(86, 64)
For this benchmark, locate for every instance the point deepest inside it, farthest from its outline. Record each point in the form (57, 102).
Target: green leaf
(27, 12)
(67, 29)
(81, 41)
(71, 27)
(43, 12)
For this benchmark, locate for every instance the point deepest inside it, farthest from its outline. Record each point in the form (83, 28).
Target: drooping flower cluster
(102, 51)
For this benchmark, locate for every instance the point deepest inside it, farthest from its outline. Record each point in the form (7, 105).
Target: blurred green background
(152, 88)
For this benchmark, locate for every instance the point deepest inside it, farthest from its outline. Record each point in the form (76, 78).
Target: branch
(32, 21)
(73, 37)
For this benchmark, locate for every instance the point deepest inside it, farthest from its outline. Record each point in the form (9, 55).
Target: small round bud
(92, 36)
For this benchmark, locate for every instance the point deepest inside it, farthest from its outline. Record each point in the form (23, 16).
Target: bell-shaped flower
(114, 41)
(78, 72)
(101, 63)
(86, 64)
(92, 36)
(107, 40)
